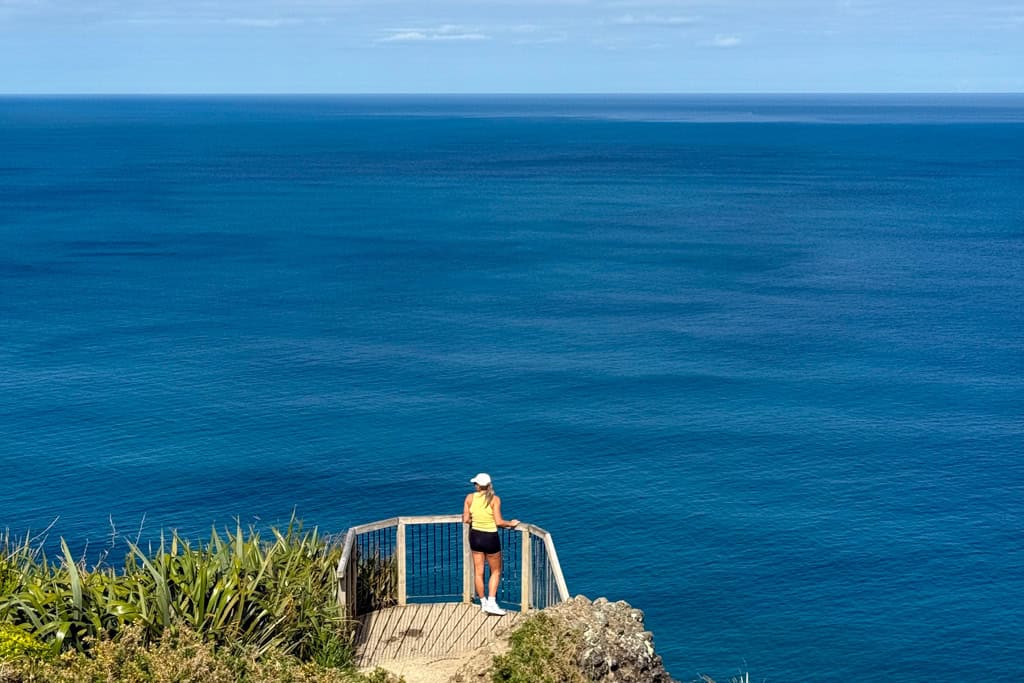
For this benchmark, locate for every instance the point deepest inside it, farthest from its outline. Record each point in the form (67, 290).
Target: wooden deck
(424, 630)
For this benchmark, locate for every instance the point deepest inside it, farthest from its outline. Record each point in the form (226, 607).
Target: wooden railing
(427, 559)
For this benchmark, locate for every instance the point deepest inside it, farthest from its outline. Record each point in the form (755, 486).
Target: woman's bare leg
(478, 574)
(495, 563)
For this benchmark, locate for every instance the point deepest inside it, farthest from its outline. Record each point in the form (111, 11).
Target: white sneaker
(491, 607)
(483, 604)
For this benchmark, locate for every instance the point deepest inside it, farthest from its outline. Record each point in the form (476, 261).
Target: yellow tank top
(483, 515)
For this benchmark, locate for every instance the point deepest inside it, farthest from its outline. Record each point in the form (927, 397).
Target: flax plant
(237, 589)
(376, 582)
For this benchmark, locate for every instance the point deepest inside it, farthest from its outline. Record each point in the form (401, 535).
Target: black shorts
(484, 541)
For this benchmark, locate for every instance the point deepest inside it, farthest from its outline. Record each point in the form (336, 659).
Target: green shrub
(179, 657)
(17, 643)
(540, 652)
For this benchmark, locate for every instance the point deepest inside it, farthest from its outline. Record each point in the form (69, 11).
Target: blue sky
(364, 46)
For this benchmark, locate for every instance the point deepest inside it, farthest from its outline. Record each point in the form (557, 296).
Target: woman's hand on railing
(512, 524)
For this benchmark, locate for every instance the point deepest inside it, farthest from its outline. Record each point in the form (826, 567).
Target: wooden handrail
(346, 573)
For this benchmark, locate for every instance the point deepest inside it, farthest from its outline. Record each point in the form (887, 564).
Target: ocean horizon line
(667, 108)
(453, 94)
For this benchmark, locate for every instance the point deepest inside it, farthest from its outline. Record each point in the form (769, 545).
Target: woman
(482, 511)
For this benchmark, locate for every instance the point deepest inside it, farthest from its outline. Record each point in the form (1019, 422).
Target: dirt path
(468, 667)
(429, 669)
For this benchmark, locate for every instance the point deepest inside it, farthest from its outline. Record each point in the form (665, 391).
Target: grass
(540, 651)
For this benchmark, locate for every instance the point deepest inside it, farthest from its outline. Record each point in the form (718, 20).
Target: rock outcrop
(616, 648)
(608, 641)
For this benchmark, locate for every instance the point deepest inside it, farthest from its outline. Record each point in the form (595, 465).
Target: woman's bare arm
(466, 516)
(496, 509)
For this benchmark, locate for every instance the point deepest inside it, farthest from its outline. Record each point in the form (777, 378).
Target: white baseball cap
(482, 479)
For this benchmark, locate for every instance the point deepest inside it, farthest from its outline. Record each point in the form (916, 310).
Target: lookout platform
(408, 583)
(439, 630)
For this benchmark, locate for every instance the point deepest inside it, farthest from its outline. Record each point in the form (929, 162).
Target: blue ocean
(756, 362)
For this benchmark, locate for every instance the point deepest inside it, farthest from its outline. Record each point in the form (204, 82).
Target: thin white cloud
(1011, 21)
(642, 4)
(530, 34)
(723, 40)
(649, 5)
(401, 36)
(556, 37)
(652, 20)
(444, 32)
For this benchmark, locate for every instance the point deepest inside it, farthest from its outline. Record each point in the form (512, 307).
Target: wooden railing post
(467, 566)
(345, 575)
(353, 586)
(526, 576)
(556, 568)
(400, 559)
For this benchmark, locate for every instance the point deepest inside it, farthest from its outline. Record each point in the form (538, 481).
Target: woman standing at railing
(482, 511)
